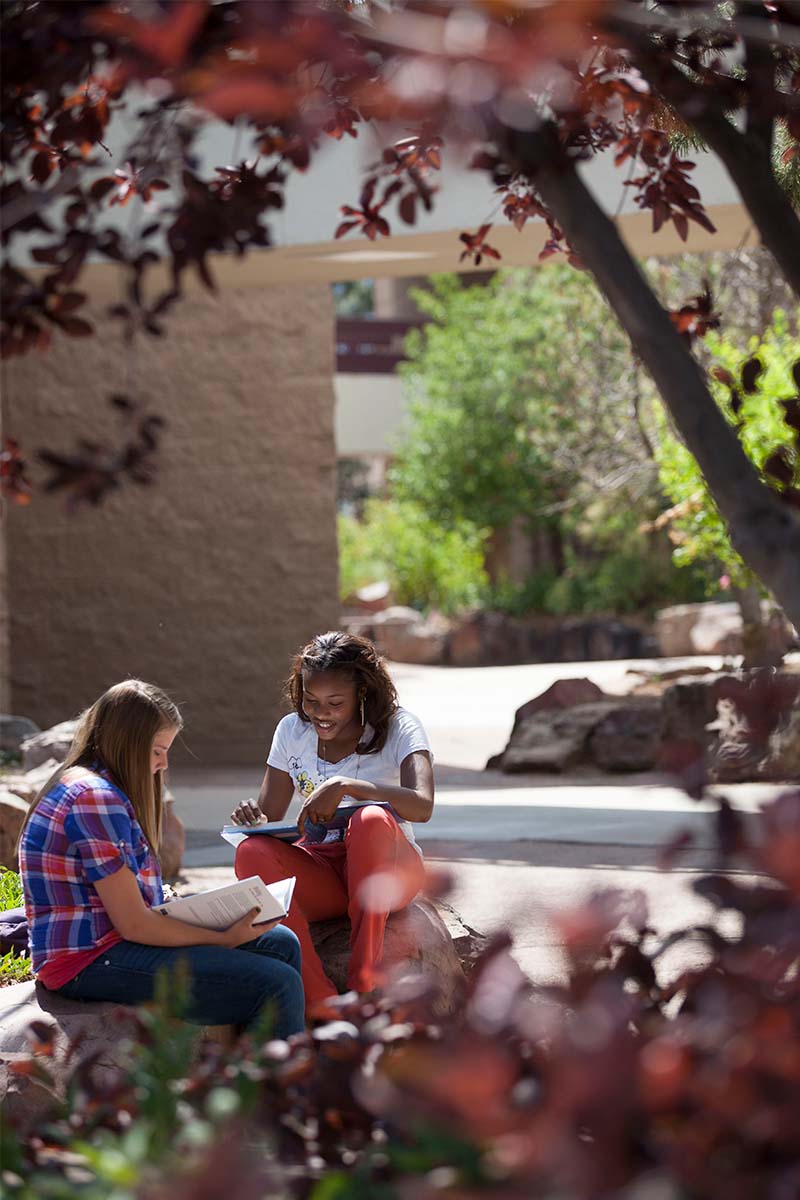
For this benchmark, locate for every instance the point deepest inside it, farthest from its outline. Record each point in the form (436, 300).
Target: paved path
(516, 846)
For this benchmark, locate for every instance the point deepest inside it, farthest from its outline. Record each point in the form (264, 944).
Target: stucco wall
(207, 581)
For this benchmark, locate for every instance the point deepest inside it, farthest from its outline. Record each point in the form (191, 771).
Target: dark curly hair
(357, 659)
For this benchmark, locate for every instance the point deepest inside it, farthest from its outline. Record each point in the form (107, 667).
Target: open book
(220, 907)
(332, 830)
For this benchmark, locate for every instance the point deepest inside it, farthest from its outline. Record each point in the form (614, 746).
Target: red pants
(373, 872)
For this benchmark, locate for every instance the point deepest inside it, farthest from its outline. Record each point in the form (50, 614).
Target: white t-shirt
(294, 750)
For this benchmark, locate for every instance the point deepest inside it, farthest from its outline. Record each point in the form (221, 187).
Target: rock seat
(425, 938)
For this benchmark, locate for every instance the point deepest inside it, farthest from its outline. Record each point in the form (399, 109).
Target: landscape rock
(564, 693)
(375, 597)
(674, 628)
(173, 841)
(554, 739)
(28, 785)
(629, 736)
(424, 938)
(480, 638)
(13, 811)
(718, 629)
(715, 627)
(51, 743)
(689, 706)
(783, 760)
(402, 635)
(14, 731)
(102, 1029)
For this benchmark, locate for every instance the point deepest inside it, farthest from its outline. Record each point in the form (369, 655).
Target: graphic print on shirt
(302, 781)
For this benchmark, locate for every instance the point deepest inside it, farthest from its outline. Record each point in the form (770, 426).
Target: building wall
(371, 414)
(207, 581)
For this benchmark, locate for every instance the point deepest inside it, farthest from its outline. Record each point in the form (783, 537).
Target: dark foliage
(608, 75)
(621, 1076)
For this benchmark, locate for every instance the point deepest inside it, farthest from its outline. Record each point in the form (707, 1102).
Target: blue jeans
(226, 986)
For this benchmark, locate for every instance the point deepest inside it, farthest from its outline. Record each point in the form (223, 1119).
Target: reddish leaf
(750, 372)
(779, 465)
(408, 208)
(791, 412)
(75, 326)
(42, 166)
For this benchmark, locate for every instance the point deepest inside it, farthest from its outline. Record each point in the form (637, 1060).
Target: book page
(234, 834)
(219, 908)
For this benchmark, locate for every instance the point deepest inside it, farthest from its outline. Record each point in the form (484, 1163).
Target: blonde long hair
(116, 734)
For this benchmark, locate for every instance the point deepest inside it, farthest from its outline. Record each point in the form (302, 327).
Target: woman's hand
(244, 930)
(323, 802)
(248, 813)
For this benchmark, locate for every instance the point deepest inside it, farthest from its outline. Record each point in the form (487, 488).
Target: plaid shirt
(80, 832)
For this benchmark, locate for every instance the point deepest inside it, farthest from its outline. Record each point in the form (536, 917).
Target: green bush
(698, 529)
(427, 566)
(610, 566)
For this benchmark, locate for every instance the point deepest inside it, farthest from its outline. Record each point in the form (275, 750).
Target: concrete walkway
(517, 847)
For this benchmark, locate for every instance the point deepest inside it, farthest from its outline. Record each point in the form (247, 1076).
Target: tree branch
(34, 202)
(745, 156)
(759, 62)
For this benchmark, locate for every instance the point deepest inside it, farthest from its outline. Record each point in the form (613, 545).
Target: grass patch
(14, 968)
(10, 889)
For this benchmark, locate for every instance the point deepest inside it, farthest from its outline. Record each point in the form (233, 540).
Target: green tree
(507, 381)
(752, 403)
(524, 403)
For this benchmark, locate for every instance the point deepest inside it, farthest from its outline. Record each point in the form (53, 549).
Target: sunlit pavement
(516, 846)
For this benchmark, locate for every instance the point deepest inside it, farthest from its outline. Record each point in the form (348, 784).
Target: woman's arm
(412, 799)
(135, 922)
(274, 799)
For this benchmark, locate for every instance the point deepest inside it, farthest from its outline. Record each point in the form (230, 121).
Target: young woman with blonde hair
(346, 738)
(91, 878)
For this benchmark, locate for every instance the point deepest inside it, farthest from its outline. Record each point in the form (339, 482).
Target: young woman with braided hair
(346, 738)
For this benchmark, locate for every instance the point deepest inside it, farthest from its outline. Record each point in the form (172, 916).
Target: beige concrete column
(206, 582)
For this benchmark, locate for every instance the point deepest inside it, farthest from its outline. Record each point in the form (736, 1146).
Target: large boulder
(28, 785)
(423, 939)
(574, 724)
(628, 737)
(14, 731)
(742, 724)
(716, 627)
(564, 693)
(51, 743)
(403, 635)
(99, 1029)
(173, 841)
(554, 740)
(783, 759)
(689, 707)
(482, 638)
(13, 811)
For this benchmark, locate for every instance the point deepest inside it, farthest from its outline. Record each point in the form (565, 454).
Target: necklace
(322, 770)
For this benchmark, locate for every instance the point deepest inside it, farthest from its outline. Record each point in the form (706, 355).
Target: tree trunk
(749, 165)
(763, 529)
(760, 646)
